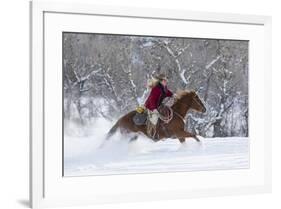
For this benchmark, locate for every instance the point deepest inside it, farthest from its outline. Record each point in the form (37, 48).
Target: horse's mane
(181, 93)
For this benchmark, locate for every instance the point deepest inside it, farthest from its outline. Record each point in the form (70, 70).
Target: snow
(212, 62)
(147, 44)
(182, 76)
(84, 156)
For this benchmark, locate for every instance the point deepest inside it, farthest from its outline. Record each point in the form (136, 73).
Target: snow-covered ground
(82, 155)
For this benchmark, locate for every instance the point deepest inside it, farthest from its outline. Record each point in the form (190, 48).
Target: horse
(184, 101)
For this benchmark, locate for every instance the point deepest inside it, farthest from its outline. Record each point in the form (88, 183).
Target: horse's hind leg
(134, 138)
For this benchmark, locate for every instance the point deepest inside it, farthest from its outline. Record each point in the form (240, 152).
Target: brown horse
(185, 101)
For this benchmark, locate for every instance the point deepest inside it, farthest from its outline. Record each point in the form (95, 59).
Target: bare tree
(105, 76)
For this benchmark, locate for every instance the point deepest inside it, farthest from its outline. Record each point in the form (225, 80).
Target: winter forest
(106, 76)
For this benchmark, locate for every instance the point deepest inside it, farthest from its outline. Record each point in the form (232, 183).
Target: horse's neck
(181, 108)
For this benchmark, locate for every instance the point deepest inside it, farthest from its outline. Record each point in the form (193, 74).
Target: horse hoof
(102, 145)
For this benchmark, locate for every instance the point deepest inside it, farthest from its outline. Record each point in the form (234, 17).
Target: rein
(173, 111)
(170, 116)
(182, 118)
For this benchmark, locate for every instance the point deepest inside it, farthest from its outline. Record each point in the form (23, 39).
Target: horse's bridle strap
(180, 117)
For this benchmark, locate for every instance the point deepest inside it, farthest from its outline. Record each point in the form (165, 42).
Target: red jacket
(156, 96)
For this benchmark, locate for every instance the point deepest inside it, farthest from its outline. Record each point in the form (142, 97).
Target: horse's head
(197, 104)
(191, 99)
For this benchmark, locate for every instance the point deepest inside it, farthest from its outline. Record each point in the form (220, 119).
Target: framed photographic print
(128, 103)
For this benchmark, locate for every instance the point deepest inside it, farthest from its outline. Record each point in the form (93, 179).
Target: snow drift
(83, 155)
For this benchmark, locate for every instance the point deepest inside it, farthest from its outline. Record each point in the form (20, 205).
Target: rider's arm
(169, 93)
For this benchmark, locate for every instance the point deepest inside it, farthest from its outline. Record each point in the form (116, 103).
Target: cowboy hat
(161, 77)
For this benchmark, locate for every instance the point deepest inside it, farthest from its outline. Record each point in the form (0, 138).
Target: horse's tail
(112, 130)
(109, 134)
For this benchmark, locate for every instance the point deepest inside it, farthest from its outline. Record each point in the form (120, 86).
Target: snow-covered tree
(106, 76)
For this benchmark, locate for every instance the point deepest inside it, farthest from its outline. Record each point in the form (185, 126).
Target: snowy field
(82, 155)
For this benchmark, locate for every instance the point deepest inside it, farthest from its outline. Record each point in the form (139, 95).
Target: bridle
(180, 116)
(198, 103)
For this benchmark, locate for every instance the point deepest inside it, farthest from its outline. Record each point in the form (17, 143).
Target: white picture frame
(47, 185)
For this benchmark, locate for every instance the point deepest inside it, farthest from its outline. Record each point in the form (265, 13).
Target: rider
(159, 91)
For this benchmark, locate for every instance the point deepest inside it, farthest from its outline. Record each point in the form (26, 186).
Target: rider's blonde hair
(152, 82)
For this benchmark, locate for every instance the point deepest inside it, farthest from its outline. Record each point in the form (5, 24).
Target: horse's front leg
(182, 140)
(184, 134)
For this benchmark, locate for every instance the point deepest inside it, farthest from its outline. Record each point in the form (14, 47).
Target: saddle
(140, 118)
(166, 114)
